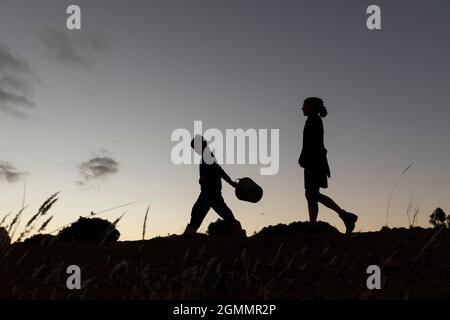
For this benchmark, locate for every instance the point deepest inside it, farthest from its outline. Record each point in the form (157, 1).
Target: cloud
(75, 49)
(9, 173)
(97, 168)
(15, 84)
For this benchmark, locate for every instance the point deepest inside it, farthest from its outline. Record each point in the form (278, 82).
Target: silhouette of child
(313, 159)
(211, 175)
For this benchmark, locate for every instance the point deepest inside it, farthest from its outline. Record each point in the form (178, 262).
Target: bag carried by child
(248, 190)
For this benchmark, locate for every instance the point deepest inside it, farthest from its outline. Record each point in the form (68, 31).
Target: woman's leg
(312, 195)
(329, 203)
(348, 218)
(313, 212)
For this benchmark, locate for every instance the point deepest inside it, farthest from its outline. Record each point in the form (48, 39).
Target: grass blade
(392, 192)
(144, 227)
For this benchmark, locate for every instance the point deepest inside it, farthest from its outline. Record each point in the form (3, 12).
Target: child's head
(199, 144)
(314, 105)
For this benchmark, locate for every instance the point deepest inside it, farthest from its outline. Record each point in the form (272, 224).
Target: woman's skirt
(315, 178)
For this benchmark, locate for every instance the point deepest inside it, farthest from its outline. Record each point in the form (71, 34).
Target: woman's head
(314, 105)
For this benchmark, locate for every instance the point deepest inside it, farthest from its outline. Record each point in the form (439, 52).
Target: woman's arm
(313, 147)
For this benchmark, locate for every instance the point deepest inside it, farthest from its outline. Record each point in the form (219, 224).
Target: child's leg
(199, 210)
(219, 206)
(226, 214)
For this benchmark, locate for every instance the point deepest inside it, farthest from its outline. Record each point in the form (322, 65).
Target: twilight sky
(90, 113)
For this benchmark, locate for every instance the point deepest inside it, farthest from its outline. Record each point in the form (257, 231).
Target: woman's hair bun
(323, 112)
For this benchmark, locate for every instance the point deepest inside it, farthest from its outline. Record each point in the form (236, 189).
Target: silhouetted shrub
(439, 219)
(225, 228)
(298, 228)
(39, 239)
(5, 240)
(395, 229)
(94, 229)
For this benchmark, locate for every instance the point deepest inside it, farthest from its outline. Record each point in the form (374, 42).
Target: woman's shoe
(349, 220)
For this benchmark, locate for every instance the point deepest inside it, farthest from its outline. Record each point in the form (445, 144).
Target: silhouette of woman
(313, 158)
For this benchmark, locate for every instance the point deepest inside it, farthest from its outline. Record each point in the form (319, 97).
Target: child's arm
(227, 178)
